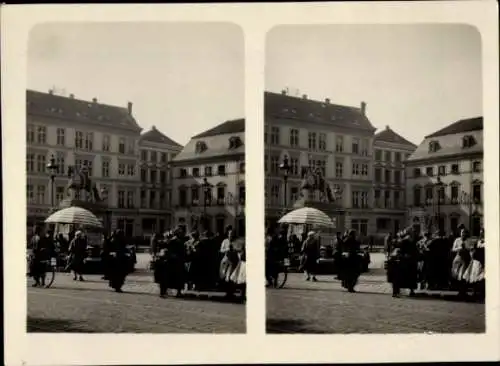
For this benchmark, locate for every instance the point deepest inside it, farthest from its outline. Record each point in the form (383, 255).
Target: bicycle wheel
(50, 275)
(282, 277)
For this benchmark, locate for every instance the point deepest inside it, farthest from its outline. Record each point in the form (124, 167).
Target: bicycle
(50, 270)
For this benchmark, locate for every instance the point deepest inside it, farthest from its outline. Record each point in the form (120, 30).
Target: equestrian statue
(80, 181)
(312, 181)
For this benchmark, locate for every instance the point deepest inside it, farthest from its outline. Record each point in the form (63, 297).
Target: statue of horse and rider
(313, 180)
(79, 180)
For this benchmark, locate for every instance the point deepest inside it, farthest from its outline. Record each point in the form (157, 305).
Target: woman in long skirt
(461, 261)
(474, 274)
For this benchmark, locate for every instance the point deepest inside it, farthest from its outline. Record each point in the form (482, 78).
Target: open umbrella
(74, 215)
(307, 216)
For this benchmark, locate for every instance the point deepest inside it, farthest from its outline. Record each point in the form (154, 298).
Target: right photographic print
(374, 197)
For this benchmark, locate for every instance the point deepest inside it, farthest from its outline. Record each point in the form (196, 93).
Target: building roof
(449, 140)
(283, 105)
(80, 111)
(232, 126)
(154, 135)
(388, 135)
(464, 125)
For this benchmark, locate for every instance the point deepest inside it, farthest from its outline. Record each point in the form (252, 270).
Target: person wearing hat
(310, 256)
(403, 270)
(36, 267)
(190, 261)
(77, 252)
(119, 262)
(352, 262)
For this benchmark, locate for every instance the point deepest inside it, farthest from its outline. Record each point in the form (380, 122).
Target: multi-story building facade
(336, 139)
(444, 179)
(389, 197)
(156, 153)
(103, 138)
(209, 179)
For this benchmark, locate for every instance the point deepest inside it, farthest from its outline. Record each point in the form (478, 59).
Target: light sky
(414, 78)
(183, 78)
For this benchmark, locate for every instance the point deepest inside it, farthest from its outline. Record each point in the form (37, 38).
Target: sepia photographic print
(374, 198)
(135, 163)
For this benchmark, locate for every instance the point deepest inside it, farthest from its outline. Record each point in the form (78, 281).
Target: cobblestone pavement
(325, 307)
(92, 307)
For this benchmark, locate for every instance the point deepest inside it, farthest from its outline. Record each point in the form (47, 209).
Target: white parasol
(74, 215)
(308, 216)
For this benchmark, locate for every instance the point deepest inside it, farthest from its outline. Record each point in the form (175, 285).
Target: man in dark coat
(171, 272)
(337, 254)
(38, 257)
(77, 253)
(403, 266)
(351, 262)
(119, 261)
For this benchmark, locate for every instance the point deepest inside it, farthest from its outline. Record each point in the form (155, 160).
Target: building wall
(344, 168)
(155, 206)
(389, 195)
(66, 153)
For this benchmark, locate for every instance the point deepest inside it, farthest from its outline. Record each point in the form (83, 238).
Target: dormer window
(434, 146)
(235, 142)
(468, 141)
(201, 146)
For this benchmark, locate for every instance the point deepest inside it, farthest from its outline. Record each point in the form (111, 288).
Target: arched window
(434, 146)
(201, 146)
(235, 142)
(468, 141)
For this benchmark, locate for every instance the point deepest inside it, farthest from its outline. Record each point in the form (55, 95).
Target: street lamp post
(285, 168)
(206, 187)
(439, 184)
(52, 168)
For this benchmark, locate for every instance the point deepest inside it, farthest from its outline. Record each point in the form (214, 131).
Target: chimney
(129, 107)
(387, 127)
(327, 100)
(363, 108)
(72, 96)
(94, 100)
(304, 96)
(283, 92)
(154, 128)
(51, 91)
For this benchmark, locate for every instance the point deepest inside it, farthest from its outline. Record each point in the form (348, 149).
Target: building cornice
(326, 126)
(208, 159)
(443, 158)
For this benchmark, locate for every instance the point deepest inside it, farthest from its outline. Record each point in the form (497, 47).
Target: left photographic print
(135, 168)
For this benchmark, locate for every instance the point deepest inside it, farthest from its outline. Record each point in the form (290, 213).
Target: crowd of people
(436, 262)
(347, 254)
(198, 261)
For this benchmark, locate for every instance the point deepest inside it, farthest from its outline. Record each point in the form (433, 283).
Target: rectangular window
(417, 192)
(397, 157)
(60, 136)
(387, 176)
(195, 195)
(397, 177)
(339, 169)
(376, 197)
(208, 171)
(79, 139)
(163, 204)
(312, 140)
(321, 164)
(241, 194)
(40, 195)
(476, 166)
(130, 170)
(163, 157)
(275, 135)
(144, 175)
(378, 175)
(152, 199)
(355, 169)
(30, 194)
(442, 170)
(455, 169)
(144, 155)
(131, 146)
(121, 169)
(130, 199)
(266, 163)
(153, 156)
(221, 170)
(356, 199)
(152, 176)
(163, 176)
(242, 167)
(322, 142)
(30, 163)
(364, 147)
(182, 197)
(429, 171)
(89, 141)
(294, 194)
(105, 169)
(476, 193)
(42, 134)
(378, 155)
(416, 172)
(59, 194)
(388, 156)
(454, 194)
(294, 166)
(275, 164)
(41, 163)
(221, 194)
(121, 145)
(387, 199)
(275, 194)
(396, 199)
(339, 144)
(441, 194)
(429, 195)
(355, 146)
(106, 143)
(30, 134)
(88, 165)
(364, 170)
(294, 137)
